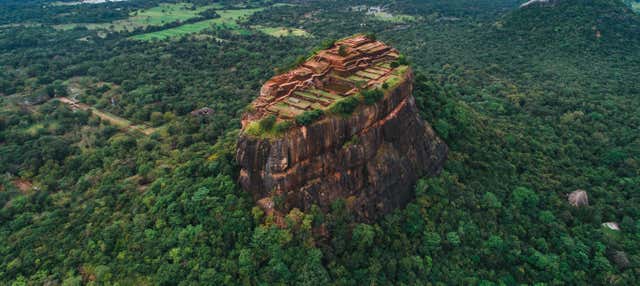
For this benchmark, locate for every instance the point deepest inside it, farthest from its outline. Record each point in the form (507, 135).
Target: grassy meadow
(228, 19)
(178, 12)
(156, 16)
(282, 31)
(394, 18)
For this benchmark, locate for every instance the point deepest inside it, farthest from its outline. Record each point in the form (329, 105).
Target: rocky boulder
(578, 198)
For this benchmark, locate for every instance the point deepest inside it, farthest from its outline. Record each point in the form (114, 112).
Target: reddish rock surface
(371, 159)
(352, 64)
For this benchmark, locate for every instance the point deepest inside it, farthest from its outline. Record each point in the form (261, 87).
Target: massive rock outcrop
(370, 156)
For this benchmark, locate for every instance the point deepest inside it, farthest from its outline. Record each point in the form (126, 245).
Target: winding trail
(113, 119)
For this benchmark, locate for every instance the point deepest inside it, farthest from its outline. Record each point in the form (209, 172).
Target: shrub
(385, 85)
(156, 119)
(267, 122)
(309, 117)
(342, 50)
(371, 36)
(392, 81)
(355, 140)
(299, 60)
(344, 106)
(402, 60)
(283, 126)
(371, 96)
(267, 127)
(326, 44)
(249, 108)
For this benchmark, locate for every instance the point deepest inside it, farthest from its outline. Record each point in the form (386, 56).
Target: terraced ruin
(365, 144)
(348, 67)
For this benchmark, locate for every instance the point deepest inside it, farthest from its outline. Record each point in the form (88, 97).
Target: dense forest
(534, 103)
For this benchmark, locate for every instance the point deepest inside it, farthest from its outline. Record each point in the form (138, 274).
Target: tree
(342, 50)
(267, 122)
(363, 235)
(524, 198)
(156, 118)
(308, 117)
(431, 242)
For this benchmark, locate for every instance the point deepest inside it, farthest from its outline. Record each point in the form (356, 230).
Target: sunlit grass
(156, 16)
(228, 19)
(395, 18)
(282, 31)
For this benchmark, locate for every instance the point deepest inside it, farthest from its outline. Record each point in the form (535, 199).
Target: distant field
(636, 6)
(396, 18)
(60, 3)
(175, 32)
(282, 31)
(156, 16)
(15, 25)
(169, 13)
(228, 19)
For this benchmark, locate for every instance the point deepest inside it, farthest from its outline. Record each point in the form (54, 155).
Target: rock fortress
(341, 125)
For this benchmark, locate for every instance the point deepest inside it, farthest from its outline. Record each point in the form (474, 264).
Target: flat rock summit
(342, 125)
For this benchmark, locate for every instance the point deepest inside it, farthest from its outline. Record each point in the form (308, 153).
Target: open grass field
(156, 16)
(228, 19)
(169, 13)
(175, 32)
(282, 31)
(113, 119)
(395, 18)
(60, 3)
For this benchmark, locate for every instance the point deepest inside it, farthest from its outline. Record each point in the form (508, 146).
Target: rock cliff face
(370, 158)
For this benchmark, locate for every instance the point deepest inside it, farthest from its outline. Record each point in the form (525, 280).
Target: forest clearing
(281, 31)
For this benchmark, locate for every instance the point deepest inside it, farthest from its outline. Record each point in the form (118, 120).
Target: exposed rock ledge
(371, 159)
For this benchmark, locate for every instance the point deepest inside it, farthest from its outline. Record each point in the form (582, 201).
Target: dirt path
(113, 119)
(23, 185)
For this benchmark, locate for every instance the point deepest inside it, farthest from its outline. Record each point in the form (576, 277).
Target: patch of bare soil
(23, 185)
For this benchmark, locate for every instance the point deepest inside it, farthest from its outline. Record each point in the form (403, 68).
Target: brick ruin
(350, 65)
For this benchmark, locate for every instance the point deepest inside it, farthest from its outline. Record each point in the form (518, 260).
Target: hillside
(575, 25)
(574, 41)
